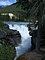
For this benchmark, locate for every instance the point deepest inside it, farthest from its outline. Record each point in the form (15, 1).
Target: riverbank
(9, 39)
(11, 36)
(32, 55)
(13, 32)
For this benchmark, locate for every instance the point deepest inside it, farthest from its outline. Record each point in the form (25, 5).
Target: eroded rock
(11, 36)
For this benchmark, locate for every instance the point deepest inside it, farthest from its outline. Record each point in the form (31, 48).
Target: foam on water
(25, 38)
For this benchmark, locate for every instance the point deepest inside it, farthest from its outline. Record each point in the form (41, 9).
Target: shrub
(7, 52)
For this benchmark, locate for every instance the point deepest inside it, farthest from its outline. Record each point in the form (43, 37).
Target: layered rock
(11, 36)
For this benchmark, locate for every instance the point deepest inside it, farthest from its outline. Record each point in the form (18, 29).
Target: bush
(7, 52)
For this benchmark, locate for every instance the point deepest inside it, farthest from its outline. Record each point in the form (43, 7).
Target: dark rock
(29, 27)
(33, 38)
(2, 34)
(11, 36)
(31, 56)
(6, 26)
(3, 26)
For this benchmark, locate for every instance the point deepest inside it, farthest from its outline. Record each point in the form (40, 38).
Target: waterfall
(25, 38)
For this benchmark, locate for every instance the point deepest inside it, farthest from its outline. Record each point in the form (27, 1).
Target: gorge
(25, 44)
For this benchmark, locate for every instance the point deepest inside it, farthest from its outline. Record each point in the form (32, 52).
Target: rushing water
(25, 38)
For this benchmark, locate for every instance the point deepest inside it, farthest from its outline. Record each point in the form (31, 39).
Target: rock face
(33, 33)
(11, 36)
(3, 26)
(6, 26)
(31, 56)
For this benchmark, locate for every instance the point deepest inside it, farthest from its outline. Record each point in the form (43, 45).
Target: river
(25, 44)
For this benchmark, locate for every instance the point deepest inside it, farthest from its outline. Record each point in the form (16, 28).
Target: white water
(25, 38)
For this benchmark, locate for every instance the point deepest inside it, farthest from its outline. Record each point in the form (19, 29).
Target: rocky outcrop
(11, 36)
(3, 26)
(32, 32)
(32, 56)
(6, 26)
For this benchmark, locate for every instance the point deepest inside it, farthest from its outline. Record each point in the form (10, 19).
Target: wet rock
(3, 26)
(6, 26)
(11, 36)
(33, 33)
(29, 27)
(2, 34)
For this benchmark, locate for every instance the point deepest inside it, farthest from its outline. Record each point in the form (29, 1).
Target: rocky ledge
(11, 36)
(33, 55)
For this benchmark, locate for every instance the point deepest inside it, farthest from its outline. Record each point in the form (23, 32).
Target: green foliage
(26, 5)
(11, 9)
(16, 10)
(7, 52)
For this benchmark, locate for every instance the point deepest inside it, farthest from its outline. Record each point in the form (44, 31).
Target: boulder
(31, 56)
(6, 26)
(3, 26)
(2, 34)
(11, 36)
